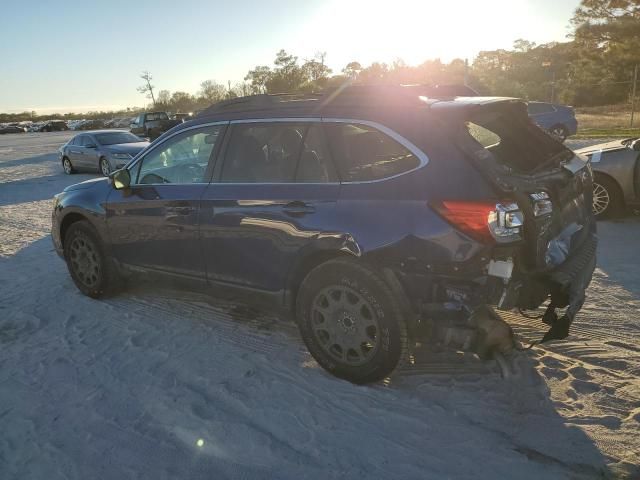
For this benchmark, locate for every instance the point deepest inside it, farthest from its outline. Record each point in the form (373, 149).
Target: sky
(68, 55)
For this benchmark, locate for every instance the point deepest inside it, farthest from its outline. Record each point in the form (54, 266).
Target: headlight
(121, 156)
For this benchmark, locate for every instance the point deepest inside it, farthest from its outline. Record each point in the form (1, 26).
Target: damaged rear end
(536, 230)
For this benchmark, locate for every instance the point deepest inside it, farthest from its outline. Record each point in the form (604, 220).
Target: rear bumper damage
(460, 313)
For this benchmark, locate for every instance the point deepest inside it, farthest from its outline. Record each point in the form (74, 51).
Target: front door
(271, 201)
(154, 223)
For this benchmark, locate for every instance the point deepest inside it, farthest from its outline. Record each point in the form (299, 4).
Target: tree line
(595, 67)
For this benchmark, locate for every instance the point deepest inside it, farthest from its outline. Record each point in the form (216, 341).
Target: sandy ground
(159, 384)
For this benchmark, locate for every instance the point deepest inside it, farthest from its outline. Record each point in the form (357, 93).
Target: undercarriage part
(481, 331)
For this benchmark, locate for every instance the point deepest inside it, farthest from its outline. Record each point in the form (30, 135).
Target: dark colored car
(54, 126)
(616, 175)
(12, 129)
(559, 120)
(368, 215)
(104, 151)
(153, 124)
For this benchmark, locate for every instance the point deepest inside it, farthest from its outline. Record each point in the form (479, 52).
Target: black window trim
(420, 155)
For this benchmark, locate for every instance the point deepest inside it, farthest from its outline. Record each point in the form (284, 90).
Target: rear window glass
(151, 117)
(536, 108)
(512, 138)
(363, 153)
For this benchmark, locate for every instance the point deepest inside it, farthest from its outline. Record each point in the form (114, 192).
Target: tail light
(487, 222)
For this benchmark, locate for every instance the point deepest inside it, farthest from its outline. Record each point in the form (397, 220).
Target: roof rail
(349, 95)
(259, 102)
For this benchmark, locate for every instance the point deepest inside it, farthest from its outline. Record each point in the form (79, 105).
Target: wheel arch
(68, 220)
(302, 268)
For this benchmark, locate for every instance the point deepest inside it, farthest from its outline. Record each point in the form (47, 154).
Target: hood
(604, 147)
(131, 148)
(86, 184)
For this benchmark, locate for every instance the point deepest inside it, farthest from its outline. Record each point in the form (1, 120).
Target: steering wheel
(190, 172)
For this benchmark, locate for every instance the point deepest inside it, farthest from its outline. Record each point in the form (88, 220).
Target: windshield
(116, 138)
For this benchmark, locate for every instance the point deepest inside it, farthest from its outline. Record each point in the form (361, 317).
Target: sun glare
(415, 31)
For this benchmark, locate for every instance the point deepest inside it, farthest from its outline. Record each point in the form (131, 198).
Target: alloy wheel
(105, 168)
(85, 261)
(601, 199)
(558, 133)
(345, 325)
(66, 164)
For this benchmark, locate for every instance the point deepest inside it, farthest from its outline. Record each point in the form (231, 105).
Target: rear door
(154, 223)
(273, 196)
(137, 126)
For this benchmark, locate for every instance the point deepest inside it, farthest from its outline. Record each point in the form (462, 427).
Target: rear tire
(607, 197)
(559, 132)
(92, 271)
(351, 321)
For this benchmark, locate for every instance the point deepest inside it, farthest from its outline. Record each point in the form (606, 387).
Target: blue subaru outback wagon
(368, 215)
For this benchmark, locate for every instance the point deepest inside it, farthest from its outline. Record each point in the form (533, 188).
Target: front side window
(86, 141)
(363, 153)
(182, 158)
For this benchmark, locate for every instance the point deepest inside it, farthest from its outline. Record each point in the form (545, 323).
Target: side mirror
(121, 179)
(133, 125)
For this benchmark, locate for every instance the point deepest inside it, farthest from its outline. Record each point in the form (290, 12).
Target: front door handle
(298, 208)
(174, 211)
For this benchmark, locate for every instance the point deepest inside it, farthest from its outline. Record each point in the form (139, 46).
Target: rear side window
(537, 108)
(363, 153)
(277, 152)
(152, 117)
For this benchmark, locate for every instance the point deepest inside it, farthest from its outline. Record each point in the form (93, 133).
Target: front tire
(607, 197)
(351, 321)
(67, 166)
(104, 166)
(91, 270)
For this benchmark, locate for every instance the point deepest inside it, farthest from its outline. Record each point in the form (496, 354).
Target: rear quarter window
(364, 153)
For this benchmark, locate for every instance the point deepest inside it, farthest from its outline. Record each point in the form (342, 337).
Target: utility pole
(466, 72)
(633, 94)
(553, 86)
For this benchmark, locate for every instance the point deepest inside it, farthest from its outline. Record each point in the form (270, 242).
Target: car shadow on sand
(182, 350)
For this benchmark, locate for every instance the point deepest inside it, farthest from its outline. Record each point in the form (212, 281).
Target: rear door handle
(298, 208)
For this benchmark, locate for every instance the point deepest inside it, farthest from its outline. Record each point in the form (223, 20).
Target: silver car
(616, 169)
(101, 150)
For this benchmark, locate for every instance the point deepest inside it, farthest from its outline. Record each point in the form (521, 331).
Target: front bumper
(55, 229)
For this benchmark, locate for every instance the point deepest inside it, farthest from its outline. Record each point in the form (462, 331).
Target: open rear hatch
(552, 187)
